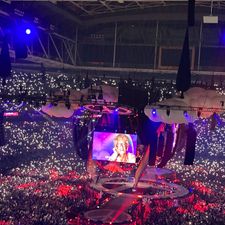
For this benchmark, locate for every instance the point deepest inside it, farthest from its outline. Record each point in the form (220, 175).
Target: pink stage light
(11, 114)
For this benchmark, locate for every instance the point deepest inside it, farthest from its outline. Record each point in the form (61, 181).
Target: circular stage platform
(154, 184)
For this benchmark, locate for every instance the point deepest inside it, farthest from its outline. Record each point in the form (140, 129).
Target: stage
(155, 184)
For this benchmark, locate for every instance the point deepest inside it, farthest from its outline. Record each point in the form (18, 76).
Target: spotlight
(185, 114)
(28, 31)
(168, 111)
(153, 111)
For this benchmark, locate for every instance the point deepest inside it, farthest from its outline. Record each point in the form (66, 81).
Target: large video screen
(116, 147)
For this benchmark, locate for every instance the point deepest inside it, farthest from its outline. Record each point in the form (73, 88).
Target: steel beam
(114, 45)
(106, 5)
(199, 46)
(56, 48)
(43, 48)
(76, 45)
(51, 64)
(80, 7)
(156, 44)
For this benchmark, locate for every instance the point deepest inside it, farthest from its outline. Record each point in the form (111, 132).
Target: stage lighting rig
(153, 111)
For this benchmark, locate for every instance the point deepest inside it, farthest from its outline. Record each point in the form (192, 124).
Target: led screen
(116, 147)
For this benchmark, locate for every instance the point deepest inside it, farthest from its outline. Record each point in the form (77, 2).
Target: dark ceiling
(65, 15)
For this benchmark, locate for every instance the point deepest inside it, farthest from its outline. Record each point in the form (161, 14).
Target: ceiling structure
(97, 11)
(64, 16)
(84, 9)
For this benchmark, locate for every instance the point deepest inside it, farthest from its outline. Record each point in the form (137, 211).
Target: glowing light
(28, 31)
(8, 114)
(185, 114)
(153, 111)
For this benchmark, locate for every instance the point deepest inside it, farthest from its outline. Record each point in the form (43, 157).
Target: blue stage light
(28, 31)
(153, 111)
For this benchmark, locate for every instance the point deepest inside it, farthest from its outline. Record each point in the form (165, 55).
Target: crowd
(44, 181)
(53, 187)
(43, 201)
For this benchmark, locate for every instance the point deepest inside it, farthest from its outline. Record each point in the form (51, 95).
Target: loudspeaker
(191, 12)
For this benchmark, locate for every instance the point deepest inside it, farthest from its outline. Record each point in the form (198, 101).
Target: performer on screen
(120, 150)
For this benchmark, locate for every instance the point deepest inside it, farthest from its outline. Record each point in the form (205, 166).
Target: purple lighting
(7, 114)
(185, 114)
(153, 111)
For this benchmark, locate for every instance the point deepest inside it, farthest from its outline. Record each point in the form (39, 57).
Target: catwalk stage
(155, 183)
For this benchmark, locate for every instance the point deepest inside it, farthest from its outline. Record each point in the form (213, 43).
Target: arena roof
(63, 17)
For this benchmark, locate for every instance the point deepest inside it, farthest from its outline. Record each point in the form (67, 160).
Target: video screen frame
(114, 147)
